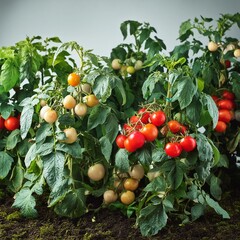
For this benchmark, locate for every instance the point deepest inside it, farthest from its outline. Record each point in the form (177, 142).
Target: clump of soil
(108, 224)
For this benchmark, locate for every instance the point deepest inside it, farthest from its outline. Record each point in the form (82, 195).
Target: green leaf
(158, 184)
(204, 148)
(5, 164)
(73, 149)
(111, 127)
(31, 155)
(53, 165)
(152, 219)
(106, 147)
(26, 120)
(144, 156)
(175, 176)
(98, 116)
(218, 209)
(73, 205)
(45, 149)
(102, 88)
(13, 139)
(26, 202)
(197, 211)
(185, 30)
(116, 82)
(121, 160)
(215, 188)
(43, 132)
(193, 111)
(17, 178)
(6, 110)
(66, 119)
(9, 74)
(185, 92)
(212, 108)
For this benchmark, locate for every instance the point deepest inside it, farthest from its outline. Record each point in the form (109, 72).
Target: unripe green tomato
(138, 65)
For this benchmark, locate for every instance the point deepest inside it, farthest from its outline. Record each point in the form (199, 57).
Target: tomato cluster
(11, 123)
(141, 127)
(226, 106)
(186, 143)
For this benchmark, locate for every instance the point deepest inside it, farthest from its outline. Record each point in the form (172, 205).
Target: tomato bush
(147, 130)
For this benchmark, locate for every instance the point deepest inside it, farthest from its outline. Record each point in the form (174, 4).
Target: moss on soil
(110, 225)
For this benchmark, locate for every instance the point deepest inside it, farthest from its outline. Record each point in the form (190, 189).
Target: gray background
(95, 24)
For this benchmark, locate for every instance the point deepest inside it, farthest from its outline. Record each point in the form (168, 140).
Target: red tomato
(225, 104)
(173, 149)
(2, 120)
(134, 141)
(134, 119)
(188, 143)
(224, 115)
(183, 129)
(174, 126)
(12, 123)
(144, 115)
(158, 118)
(150, 132)
(227, 64)
(215, 98)
(129, 146)
(220, 127)
(127, 128)
(135, 122)
(120, 140)
(228, 95)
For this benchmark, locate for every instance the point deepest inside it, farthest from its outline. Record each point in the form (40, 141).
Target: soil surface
(106, 224)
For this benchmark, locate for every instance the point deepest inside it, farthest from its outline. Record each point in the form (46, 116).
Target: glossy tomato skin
(12, 123)
(188, 143)
(224, 115)
(225, 104)
(158, 118)
(227, 64)
(134, 141)
(150, 132)
(2, 120)
(220, 127)
(173, 149)
(228, 95)
(120, 140)
(174, 126)
(144, 115)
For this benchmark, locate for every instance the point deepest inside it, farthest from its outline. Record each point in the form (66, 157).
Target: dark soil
(106, 224)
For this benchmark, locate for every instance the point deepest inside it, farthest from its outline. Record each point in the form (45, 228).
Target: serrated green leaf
(9, 74)
(197, 211)
(97, 116)
(45, 148)
(5, 164)
(158, 184)
(53, 165)
(26, 202)
(73, 205)
(121, 160)
(204, 147)
(111, 127)
(152, 219)
(73, 149)
(43, 132)
(215, 188)
(17, 178)
(31, 155)
(218, 209)
(106, 147)
(6, 110)
(13, 139)
(26, 120)
(212, 108)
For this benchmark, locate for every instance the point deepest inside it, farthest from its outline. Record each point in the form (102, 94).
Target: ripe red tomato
(215, 98)
(127, 128)
(144, 115)
(150, 132)
(224, 115)
(174, 126)
(220, 127)
(120, 140)
(173, 149)
(227, 64)
(228, 95)
(135, 122)
(2, 120)
(183, 129)
(12, 123)
(225, 104)
(188, 143)
(134, 141)
(158, 118)
(134, 119)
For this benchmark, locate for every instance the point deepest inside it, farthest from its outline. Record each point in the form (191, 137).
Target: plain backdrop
(95, 24)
